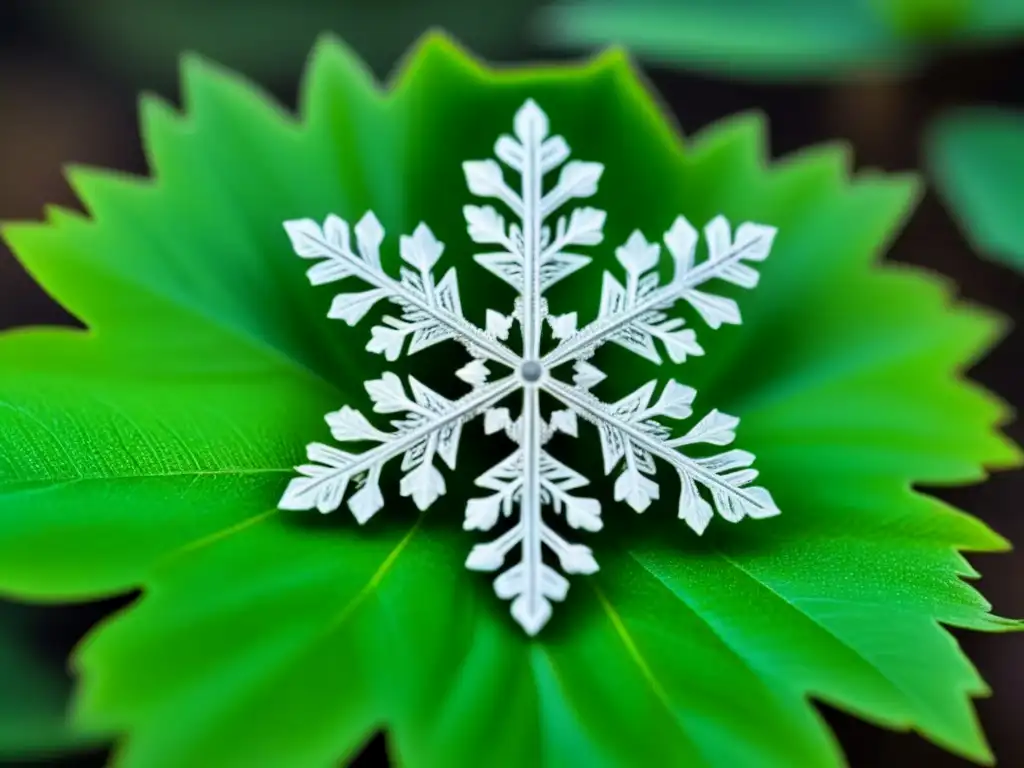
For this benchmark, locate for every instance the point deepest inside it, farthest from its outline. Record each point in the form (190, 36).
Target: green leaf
(766, 39)
(977, 158)
(35, 692)
(152, 450)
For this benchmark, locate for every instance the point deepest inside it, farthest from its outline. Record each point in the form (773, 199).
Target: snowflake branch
(753, 242)
(322, 485)
(332, 243)
(598, 412)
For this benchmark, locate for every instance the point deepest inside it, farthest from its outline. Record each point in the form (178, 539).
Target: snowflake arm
(431, 429)
(531, 584)
(630, 436)
(633, 315)
(431, 311)
(532, 258)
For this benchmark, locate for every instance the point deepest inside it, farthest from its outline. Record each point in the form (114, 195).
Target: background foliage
(772, 39)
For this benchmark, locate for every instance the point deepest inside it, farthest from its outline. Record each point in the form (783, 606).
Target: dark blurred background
(69, 78)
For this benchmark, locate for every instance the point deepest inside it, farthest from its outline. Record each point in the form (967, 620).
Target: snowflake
(531, 256)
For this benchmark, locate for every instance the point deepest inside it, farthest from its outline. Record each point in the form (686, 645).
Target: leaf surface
(151, 451)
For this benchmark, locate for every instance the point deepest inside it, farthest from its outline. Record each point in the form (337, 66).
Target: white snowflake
(531, 256)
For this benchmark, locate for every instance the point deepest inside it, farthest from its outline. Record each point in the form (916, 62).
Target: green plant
(151, 451)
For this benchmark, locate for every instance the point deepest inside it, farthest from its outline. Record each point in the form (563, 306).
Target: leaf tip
(435, 49)
(615, 58)
(743, 135)
(193, 66)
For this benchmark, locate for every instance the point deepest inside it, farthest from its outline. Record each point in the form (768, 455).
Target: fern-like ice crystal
(532, 251)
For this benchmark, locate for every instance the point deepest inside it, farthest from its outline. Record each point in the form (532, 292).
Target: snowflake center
(531, 371)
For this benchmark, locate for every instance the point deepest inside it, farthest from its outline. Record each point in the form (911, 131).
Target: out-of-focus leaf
(782, 38)
(34, 690)
(977, 158)
(271, 38)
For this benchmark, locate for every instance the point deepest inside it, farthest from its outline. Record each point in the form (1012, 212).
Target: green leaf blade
(87, 423)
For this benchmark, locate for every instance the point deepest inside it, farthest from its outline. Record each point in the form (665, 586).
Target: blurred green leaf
(271, 38)
(977, 158)
(765, 39)
(926, 18)
(34, 690)
(152, 450)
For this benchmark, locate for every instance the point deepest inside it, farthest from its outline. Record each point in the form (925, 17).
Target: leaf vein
(660, 694)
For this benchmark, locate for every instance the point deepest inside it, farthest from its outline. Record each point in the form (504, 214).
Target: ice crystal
(532, 253)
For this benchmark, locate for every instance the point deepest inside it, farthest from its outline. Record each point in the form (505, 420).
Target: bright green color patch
(765, 39)
(926, 18)
(977, 158)
(153, 449)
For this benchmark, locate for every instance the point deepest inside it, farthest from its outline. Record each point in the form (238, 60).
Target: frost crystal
(531, 256)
